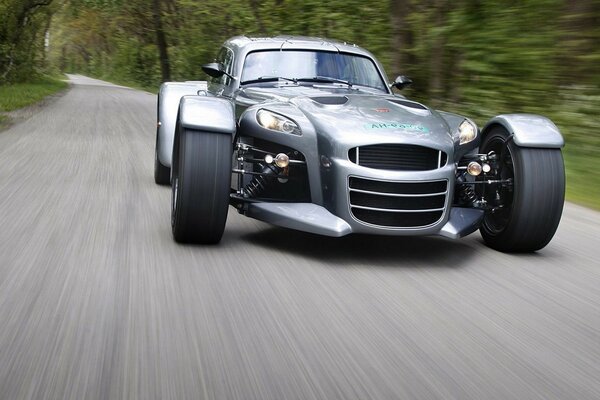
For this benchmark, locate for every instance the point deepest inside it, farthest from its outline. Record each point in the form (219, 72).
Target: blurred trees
(503, 51)
(472, 56)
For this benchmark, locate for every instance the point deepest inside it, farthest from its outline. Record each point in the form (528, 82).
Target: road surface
(98, 302)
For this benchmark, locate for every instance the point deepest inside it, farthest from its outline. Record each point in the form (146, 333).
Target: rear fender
(528, 130)
(169, 95)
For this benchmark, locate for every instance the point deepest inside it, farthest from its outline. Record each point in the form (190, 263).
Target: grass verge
(19, 95)
(583, 182)
(3, 121)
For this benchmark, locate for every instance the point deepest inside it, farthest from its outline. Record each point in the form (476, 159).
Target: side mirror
(401, 82)
(213, 69)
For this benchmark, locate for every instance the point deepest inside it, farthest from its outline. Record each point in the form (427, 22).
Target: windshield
(302, 64)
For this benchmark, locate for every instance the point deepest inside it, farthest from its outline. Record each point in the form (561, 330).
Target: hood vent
(330, 100)
(409, 104)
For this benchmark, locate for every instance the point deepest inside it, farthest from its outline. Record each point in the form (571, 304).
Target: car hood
(365, 116)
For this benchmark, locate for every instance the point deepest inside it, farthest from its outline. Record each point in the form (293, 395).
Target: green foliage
(23, 24)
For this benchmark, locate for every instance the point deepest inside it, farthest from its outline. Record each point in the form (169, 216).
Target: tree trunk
(254, 5)
(436, 59)
(161, 41)
(15, 23)
(401, 36)
(579, 18)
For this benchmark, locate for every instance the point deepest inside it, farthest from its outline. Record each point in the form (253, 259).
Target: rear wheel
(200, 186)
(532, 205)
(162, 174)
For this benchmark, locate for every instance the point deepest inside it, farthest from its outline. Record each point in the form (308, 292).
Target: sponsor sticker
(395, 125)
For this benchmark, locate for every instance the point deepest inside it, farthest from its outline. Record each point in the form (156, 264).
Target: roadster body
(308, 134)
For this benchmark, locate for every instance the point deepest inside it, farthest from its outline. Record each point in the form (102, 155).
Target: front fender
(528, 130)
(207, 114)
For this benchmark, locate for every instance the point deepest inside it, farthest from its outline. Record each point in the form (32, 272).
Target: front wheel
(532, 205)
(200, 186)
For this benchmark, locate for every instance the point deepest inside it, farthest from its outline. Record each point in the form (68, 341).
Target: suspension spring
(260, 182)
(467, 194)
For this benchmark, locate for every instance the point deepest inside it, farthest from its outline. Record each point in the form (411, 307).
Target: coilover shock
(260, 182)
(466, 192)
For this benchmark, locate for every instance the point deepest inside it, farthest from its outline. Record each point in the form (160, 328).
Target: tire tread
(204, 173)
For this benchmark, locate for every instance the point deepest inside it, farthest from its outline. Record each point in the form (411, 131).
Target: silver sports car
(307, 134)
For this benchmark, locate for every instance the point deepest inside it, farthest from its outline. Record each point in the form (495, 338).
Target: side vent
(409, 104)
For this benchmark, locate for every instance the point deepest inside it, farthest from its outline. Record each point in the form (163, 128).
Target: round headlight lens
(467, 132)
(288, 126)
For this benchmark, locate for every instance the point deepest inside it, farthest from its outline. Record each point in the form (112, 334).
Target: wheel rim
(496, 222)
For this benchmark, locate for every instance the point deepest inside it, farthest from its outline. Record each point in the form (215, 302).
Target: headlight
(467, 131)
(276, 122)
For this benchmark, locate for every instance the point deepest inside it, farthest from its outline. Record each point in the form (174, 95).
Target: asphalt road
(98, 302)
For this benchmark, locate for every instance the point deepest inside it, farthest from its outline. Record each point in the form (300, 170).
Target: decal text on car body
(396, 125)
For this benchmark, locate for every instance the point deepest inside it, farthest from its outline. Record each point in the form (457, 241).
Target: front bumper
(337, 215)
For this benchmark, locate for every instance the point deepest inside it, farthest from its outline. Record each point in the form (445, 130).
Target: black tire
(533, 207)
(200, 186)
(162, 174)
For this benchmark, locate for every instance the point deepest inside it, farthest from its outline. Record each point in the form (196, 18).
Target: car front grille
(397, 204)
(398, 157)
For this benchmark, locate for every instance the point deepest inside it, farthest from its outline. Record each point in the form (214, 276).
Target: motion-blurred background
(480, 58)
